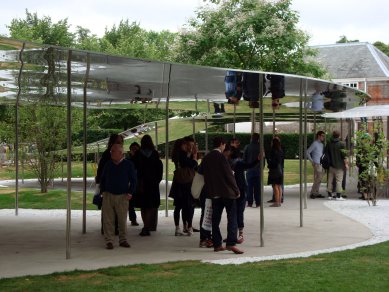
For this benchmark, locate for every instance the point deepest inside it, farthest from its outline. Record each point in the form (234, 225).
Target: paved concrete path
(33, 243)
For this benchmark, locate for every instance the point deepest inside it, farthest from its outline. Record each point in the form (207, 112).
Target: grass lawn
(362, 269)
(56, 198)
(291, 171)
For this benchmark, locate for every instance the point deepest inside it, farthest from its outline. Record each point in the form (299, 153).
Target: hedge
(289, 142)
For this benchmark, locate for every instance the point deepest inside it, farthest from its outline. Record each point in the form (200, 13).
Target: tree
(41, 30)
(129, 39)
(343, 40)
(247, 34)
(383, 47)
(87, 41)
(370, 155)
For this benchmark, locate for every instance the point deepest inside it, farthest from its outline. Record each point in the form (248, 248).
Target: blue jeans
(253, 189)
(218, 206)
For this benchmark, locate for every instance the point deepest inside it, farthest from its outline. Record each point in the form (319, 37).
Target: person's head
(234, 142)
(255, 137)
(189, 143)
(115, 139)
(320, 135)
(134, 147)
(218, 142)
(335, 134)
(147, 143)
(276, 144)
(116, 152)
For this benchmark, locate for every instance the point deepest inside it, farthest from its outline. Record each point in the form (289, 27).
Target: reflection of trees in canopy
(42, 122)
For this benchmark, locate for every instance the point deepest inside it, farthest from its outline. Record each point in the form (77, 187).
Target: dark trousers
(150, 218)
(218, 206)
(253, 189)
(131, 213)
(240, 207)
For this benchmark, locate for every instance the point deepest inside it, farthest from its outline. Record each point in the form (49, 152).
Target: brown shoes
(234, 249)
(109, 245)
(219, 248)
(124, 244)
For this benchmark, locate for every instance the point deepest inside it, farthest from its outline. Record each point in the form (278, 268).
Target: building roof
(353, 60)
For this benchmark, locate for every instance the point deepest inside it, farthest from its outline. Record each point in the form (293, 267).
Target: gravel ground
(375, 218)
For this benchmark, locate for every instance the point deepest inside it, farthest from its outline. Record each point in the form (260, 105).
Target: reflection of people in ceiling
(276, 88)
(317, 102)
(337, 97)
(251, 85)
(335, 105)
(233, 83)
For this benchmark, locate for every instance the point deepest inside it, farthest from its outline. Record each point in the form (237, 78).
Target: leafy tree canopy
(343, 39)
(383, 47)
(41, 30)
(129, 39)
(247, 34)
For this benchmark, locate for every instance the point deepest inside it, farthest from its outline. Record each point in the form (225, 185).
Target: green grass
(53, 199)
(56, 198)
(291, 171)
(362, 269)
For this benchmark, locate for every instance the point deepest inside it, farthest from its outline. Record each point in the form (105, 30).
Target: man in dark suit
(220, 185)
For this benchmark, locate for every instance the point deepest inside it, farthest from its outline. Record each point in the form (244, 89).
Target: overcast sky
(324, 20)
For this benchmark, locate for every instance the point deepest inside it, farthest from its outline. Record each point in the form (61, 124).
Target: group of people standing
(125, 183)
(231, 181)
(336, 151)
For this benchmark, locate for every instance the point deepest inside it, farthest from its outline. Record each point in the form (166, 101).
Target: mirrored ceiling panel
(105, 79)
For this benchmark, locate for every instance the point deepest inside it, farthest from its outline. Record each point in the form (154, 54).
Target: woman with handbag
(275, 162)
(184, 157)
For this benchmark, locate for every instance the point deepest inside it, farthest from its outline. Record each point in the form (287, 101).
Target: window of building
(351, 84)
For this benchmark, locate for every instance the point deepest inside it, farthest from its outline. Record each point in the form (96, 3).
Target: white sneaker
(341, 199)
(329, 198)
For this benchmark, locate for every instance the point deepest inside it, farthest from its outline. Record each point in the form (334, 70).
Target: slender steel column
(252, 121)
(193, 128)
(167, 140)
(300, 151)
(305, 143)
(156, 133)
(206, 135)
(314, 123)
(85, 142)
(233, 131)
(196, 103)
(69, 154)
(17, 130)
(262, 163)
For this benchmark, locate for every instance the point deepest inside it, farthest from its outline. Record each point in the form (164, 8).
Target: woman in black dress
(275, 161)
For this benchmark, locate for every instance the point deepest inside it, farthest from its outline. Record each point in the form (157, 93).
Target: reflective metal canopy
(120, 80)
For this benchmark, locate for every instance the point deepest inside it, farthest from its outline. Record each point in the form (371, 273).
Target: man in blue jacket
(117, 185)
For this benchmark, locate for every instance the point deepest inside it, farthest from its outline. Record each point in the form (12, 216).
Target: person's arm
(132, 178)
(309, 151)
